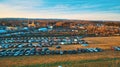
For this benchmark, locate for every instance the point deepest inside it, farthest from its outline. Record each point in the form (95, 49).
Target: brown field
(102, 42)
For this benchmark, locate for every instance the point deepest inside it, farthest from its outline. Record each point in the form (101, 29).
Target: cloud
(61, 6)
(115, 8)
(69, 9)
(22, 4)
(89, 6)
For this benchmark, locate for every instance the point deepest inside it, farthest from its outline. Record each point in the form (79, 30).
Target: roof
(42, 29)
(3, 31)
(25, 28)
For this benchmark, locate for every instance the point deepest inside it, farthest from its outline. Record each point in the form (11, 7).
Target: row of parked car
(44, 51)
(27, 38)
(117, 48)
(20, 45)
(41, 41)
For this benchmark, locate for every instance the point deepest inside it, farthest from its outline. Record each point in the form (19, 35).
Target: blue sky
(63, 9)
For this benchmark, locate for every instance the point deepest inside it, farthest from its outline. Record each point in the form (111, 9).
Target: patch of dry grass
(30, 60)
(101, 42)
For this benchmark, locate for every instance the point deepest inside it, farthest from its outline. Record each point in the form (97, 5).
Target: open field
(101, 42)
(106, 58)
(107, 62)
(51, 59)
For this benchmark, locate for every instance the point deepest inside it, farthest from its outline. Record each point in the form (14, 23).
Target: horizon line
(55, 19)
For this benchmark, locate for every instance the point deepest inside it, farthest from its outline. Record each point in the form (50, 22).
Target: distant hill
(53, 19)
(20, 21)
(29, 19)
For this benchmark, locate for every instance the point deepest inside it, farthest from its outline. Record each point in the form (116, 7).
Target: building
(31, 24)
(43, 29)
(11, 28)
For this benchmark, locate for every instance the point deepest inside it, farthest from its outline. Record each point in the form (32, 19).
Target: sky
(61, 9)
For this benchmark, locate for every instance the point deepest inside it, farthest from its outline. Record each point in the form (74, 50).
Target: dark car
(58, 46)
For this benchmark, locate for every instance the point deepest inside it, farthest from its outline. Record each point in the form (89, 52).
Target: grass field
(101, 42)
(107, 62)
(106, 58)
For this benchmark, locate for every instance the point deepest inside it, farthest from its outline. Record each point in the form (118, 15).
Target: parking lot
(36, 45)
(74, 52)
(48, 45)
(40, 41)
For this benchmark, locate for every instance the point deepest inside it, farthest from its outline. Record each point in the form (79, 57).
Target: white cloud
(25, 8)
(86, 6)
(116, 7)
(22, 4)
(61, 6)
(81, 16)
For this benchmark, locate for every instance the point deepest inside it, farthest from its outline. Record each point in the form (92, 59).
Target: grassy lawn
(101, 42)
(53, 59)
(107, 62)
